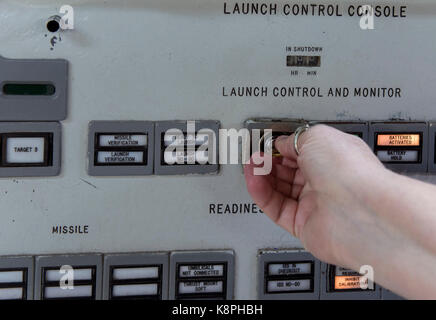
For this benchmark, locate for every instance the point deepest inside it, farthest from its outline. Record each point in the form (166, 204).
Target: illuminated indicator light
(413, 140)
(347, 282)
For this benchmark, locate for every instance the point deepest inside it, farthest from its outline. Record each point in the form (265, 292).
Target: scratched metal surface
(166, 60)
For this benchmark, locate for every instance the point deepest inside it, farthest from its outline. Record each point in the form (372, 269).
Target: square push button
(401, 146)
(30, 149)
(202, 275)
(16, 278)
(68, 277)
(288, 275)
(339, 283)
(186, 147)
(136, 276)
(120, 148)
(21, 149)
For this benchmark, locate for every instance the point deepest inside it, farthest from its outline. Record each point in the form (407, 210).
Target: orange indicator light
(347, 282)
(413, 140)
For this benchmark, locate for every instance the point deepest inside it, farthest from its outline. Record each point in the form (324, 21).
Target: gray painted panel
(34, 71)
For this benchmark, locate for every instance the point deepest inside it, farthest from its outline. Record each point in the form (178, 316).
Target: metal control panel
(85, 106)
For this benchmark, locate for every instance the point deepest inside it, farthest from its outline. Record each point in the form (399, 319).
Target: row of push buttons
(297, 275)
(195, 275)
(283, 274)
(123, 148)
(401, 146)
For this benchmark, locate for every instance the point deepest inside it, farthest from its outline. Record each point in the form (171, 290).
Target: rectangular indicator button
(136, 273)
(79, 274)
(11, 293)
(79, 291)
(289, 285)
(179, 139)
(122, 140)
(11, 276)
(286, 269)
(13, 283)
(395, 140)
(347, 282)
(182, 157)
(25, 150)
(398, 155)
(346, 279)
(120, 157)
(199, 287)
(125, 290)
(201, 270)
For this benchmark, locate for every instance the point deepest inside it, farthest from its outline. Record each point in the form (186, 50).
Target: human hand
(321, 195)
(348, 210)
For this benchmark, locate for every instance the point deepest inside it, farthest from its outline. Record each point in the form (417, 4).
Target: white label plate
(25, 150)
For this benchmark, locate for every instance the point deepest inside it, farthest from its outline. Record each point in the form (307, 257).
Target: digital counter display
(397, 140)
(303, 61)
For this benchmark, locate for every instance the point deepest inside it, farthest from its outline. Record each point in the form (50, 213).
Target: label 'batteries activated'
(394, 139)
(399, 147)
